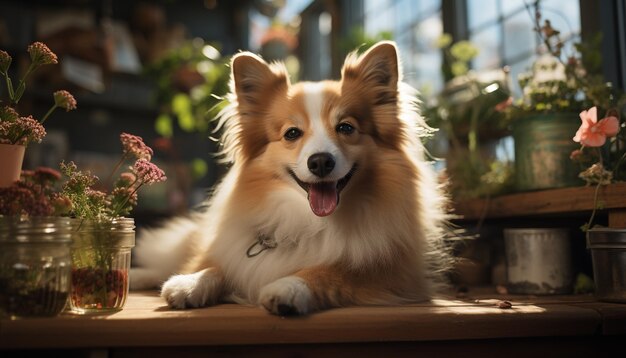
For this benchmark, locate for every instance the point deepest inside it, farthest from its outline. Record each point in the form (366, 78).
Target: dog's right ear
(254, 79)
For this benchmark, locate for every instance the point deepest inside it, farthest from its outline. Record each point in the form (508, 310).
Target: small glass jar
(101, 253)
(34, 266)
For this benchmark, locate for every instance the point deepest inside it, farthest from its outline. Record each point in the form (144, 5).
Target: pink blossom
(148, 173)
(5, 61)
(40, 54)
(576, 154)
(500, 107)
(64, 99)
(134, 145)
(593, 133)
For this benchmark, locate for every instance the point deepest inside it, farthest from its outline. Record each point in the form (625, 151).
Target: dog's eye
(344, 128)
(292, 133)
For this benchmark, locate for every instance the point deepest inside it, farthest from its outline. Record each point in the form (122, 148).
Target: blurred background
(158, 69)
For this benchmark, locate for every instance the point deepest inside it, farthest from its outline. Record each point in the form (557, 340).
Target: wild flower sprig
(132, 146)
(35, 194)
(97, 205)
(147, 172)
(23, 130)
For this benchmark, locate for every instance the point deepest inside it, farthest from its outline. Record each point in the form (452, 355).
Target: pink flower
(5, 61)
(576, 154)
(64, 99)
(500, 107)
(593, 133)
(148, 173)
(40, 54)
(134, 145)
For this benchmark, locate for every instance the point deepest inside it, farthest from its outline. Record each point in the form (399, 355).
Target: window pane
(509, 6)
(488, 43)
(519, 36)
(428, 6)
(481, 11)
(406, 13)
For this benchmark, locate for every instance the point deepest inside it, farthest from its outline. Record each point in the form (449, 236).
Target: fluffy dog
(329, 201)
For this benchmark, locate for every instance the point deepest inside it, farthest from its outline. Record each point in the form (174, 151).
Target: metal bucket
(608, 254)
(538, 261)
(543, 144)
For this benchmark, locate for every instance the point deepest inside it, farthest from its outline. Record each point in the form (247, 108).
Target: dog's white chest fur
(301, 239)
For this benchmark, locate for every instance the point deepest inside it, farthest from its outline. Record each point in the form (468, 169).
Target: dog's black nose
(321, 164)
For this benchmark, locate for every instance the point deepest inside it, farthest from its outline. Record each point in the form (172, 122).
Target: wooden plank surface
(564, 200)
(147, 322)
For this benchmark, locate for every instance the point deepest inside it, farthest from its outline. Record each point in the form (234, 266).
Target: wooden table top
(147, 322)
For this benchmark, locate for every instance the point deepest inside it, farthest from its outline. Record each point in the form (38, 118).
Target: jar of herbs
(35, 266)
(101, 252)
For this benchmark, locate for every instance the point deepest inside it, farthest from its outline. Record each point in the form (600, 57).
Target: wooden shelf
(147, 322)
(567, 200)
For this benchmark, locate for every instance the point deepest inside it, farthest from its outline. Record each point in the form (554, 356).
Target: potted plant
(102, 234)
(61, 229)
(17, 131)
(34, 246)
(556, 89)
(469, 113)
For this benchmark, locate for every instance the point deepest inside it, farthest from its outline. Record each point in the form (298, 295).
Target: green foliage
(190, 105)
(360, 40)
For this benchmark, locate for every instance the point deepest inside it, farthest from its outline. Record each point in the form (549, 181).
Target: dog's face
(317, 137)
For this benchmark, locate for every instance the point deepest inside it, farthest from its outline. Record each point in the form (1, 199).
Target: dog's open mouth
(324, 195)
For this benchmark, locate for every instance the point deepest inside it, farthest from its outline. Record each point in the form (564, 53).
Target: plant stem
(9, 85)
(54, 106)
(119, 207)
(115, 169)
(22, 85)
(595, 207)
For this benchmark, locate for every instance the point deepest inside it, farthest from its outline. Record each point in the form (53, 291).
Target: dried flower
(132, 144)
(147, 172)
(45, 174)
(5, 61)
(597, 174)
(32, 195)
(24, 129)
(8, 114)
(593, 133)
(33, 130)
(21, 131)
(64, 99)
(40, 54)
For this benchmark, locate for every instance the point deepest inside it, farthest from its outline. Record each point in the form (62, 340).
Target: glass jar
(34, 266)
(100, 264)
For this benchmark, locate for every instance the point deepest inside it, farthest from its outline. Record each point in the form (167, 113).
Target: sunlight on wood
(482, 307)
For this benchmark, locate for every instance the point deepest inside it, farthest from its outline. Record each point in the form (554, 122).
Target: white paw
(287, 296)
(198, 289)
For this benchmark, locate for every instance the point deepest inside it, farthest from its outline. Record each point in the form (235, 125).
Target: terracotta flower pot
(11, 158)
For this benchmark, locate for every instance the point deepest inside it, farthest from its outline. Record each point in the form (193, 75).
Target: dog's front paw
(287, 296)
(194, 290)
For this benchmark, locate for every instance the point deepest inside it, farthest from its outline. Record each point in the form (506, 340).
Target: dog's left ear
(377, 69)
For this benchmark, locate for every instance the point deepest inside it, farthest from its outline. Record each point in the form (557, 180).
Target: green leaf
(163, 125)
(181, 104)
(186, 122)
(199, 168)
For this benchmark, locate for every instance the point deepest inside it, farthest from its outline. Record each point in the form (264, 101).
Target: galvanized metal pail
(608, 254)
(538, 261)
(543, 144)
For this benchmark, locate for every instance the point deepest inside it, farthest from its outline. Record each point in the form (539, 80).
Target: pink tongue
(323, 198)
